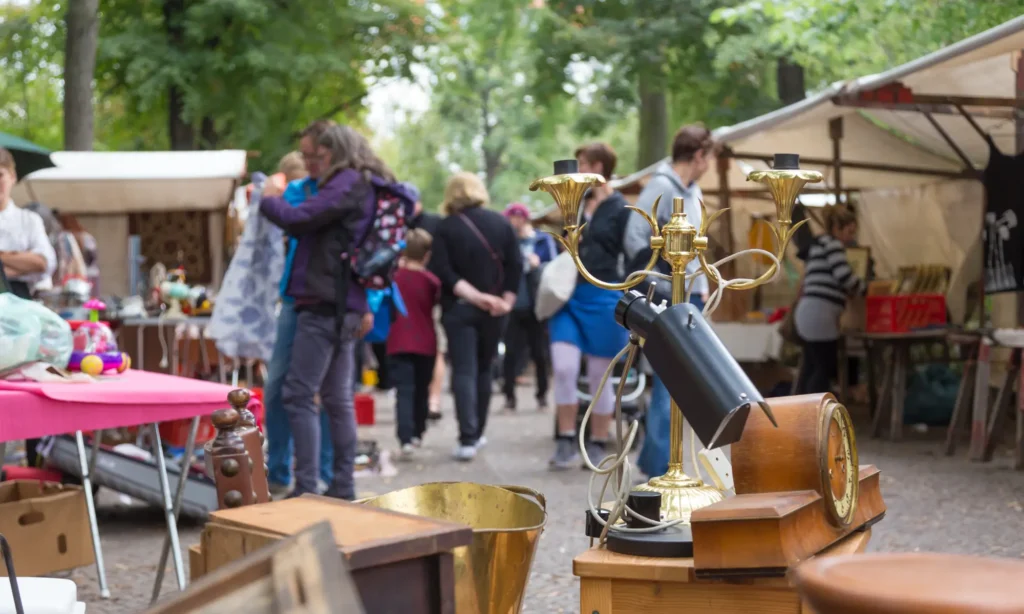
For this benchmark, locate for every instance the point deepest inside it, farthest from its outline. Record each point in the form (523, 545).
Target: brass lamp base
(681, 494)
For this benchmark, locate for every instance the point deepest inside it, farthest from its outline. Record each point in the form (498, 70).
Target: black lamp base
(671, 543)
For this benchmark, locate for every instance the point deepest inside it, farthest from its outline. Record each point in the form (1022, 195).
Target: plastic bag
(29, 332)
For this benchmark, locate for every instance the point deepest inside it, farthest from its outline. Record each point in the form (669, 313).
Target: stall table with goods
(30, 409)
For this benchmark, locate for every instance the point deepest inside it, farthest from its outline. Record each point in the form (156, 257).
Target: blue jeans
(653, 459)
(278, 432)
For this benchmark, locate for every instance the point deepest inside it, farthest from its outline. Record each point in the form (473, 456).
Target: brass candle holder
(678, 242)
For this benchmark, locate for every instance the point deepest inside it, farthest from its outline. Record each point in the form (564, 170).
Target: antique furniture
(302, 574)
(617, 584)
(235, 455)
(911, 583)
(384, 550)
(799, 489)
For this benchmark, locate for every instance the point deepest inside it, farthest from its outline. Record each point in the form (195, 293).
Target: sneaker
(510, 404)
(277, 490)
(542, 404)
(406, 453)
(417, 442)
(481, 442)
(567, 455)
(434, 415)
(464, 453)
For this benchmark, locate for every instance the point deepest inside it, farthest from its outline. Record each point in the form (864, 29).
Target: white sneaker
(417, 442)
(407, 452)
(481, 442)
(464, 453)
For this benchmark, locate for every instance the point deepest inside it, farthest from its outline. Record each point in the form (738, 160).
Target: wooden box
(618, 584)
(383, 549)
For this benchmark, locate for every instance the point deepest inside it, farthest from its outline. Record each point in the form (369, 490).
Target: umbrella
(28, 156)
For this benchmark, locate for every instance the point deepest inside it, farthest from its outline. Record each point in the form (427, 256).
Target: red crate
(904, 313)
(174, 433)
(365, 410)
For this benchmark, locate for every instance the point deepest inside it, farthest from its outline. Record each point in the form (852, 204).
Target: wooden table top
(600, 563)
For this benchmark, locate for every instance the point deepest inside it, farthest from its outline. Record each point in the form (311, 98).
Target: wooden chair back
(235, 455)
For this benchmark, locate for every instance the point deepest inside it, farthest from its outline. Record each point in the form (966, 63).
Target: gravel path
(935, 503)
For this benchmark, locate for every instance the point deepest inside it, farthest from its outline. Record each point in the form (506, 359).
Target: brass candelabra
(679, 242)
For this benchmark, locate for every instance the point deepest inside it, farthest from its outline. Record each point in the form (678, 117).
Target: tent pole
(835, 132)
(949, 140)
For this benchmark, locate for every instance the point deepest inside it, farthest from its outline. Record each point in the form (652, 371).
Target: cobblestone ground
(935, 504)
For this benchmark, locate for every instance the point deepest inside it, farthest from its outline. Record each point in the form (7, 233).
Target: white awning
(982, 66)
(132, 182)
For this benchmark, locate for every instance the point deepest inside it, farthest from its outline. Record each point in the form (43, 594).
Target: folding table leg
(90, 505)
(172, 523)
(179, 495)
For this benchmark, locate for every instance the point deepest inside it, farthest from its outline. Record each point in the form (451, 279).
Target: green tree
(249, 73)
(31, 58)
(646, 53)
(841, 39)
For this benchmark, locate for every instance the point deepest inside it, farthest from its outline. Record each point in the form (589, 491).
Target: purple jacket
(327, 226)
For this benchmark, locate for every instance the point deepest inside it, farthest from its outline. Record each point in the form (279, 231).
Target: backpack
(375, 261)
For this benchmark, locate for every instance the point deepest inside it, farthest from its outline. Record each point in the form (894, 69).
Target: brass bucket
(491, 573)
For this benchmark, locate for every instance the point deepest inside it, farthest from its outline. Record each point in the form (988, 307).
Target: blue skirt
(587, 321)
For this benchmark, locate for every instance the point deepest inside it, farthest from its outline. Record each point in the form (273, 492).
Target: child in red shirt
(412, 342)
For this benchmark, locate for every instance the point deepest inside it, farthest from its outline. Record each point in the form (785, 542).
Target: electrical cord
(617, 466)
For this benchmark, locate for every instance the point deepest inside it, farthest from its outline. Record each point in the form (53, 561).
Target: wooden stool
(912, 583)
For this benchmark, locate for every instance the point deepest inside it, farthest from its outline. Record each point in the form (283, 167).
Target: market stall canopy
(894, 124)
(86, 182)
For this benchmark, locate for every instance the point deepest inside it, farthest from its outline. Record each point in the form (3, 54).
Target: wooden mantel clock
(799, 489)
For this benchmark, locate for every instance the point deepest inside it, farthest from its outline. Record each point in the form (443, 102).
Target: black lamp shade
(705, 380)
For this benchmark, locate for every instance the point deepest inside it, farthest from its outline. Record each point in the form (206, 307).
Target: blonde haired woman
(476, 257)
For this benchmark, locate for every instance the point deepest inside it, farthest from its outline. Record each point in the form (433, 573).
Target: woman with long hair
(331, 305)
(828, 283)
(476, 256)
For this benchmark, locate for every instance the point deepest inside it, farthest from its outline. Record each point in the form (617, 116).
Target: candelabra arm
(572, 243)
(783, 232)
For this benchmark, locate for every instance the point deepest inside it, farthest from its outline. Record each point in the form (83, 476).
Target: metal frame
(87, 465)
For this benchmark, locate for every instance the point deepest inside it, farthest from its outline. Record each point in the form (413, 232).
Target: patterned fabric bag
(244, 321)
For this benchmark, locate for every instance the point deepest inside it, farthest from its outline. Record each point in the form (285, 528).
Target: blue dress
(587, 321)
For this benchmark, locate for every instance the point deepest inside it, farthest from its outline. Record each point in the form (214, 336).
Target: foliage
(624, 41)
(31, 56)
(840, 39)
(254, 70)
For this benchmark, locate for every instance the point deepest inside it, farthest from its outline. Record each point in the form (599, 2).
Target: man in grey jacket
(678, 176)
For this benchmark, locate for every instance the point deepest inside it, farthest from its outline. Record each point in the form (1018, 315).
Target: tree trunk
(653, 122)
(79, 67)
(790, 81)
(181, 133)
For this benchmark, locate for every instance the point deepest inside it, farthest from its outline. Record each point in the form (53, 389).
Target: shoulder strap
(494, 256)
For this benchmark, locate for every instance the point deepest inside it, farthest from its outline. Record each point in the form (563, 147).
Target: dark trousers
(820, 365)
(384, 378)
(473, 337)
(523, 335)
(322, 362)
(411, 375)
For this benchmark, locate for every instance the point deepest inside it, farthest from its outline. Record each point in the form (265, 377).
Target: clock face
(840, 477)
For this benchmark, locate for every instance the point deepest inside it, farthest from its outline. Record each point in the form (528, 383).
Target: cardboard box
(46, 525)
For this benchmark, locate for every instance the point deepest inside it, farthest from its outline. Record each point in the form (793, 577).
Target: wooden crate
(383, 549)
(301, 574)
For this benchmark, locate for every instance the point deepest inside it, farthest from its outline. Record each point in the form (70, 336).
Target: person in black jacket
(585, 326)
(476, 256)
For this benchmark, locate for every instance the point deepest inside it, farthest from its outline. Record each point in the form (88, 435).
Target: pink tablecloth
(29, 409)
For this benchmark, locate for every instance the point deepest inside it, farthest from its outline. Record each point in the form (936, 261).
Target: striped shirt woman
(828, 282)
